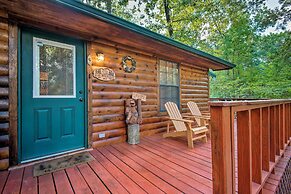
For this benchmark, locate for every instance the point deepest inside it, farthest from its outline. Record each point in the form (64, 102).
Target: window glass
(54, 69)
(169, 83)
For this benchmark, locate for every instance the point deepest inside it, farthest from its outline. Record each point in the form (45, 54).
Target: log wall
(108, 97)
(194, 86)
(4, 102)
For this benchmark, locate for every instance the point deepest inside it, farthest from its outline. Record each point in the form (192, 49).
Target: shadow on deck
(156, 165)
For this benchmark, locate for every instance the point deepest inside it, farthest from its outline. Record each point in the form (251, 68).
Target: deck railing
(248, 139)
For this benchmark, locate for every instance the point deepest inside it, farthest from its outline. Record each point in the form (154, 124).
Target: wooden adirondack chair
(202, 120)
(183, 127)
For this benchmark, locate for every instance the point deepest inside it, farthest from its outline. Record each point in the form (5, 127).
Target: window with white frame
(169, 83)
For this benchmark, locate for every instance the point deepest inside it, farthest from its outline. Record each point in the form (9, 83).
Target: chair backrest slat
(174, 112)
(194, 110)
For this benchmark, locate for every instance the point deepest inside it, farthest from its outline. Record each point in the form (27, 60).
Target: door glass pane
(54, 69)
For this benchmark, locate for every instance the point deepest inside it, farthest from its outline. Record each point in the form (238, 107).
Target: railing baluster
(256, 145)
(277, 135)
(244, 152)
(272, 134)
(266, 138)
(289, 125)
(289, 121)
(281, 129)
(287, 117)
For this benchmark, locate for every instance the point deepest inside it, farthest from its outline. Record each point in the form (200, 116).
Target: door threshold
(48, 158)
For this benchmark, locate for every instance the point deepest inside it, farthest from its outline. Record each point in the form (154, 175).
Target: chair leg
(205, 138)
(190, 139)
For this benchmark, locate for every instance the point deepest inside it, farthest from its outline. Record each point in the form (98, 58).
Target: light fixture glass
(100, 57)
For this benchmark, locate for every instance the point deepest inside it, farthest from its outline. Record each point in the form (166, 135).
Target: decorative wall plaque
(104, 74)
(137, 96)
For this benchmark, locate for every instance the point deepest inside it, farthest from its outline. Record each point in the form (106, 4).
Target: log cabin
(51, 102)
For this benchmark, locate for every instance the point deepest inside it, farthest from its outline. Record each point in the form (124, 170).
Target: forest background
(235, 30)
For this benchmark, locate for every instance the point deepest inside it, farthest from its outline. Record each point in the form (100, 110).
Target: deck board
(62, 182)
(14, 181)
(148, 164)
(137, 178)
(77, 181)
(156, 165)
(3, 178)
(29, 183)
(111, 183)
(160, 183)
(46, 184)
(92, 179)
(188, 177)
(122, 178)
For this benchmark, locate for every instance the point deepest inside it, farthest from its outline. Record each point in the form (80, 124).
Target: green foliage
(231, 29)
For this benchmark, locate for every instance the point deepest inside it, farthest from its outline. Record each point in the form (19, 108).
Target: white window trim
(36, 72)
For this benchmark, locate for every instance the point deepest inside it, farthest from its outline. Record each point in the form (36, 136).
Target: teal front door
(52, 94)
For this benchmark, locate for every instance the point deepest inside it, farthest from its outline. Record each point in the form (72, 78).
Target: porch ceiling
(77, 19)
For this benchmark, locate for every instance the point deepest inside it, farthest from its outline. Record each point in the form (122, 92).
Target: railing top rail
(249, 102)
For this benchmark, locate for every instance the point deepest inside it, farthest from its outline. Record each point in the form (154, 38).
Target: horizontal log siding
(108, 97)
(4, 102)
(194, 86)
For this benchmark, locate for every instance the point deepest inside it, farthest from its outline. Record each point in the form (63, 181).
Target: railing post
(244, 147)
(222, 150)
(266, 138)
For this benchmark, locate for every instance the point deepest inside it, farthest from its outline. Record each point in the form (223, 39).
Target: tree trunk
(109, 6)
(168, 17)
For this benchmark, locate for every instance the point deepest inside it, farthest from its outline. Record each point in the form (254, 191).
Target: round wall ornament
(125, 66)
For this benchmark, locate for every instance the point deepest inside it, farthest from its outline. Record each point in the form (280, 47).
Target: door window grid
(53, 75)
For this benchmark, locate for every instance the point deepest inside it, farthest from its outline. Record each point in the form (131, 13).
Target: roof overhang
(76, 18)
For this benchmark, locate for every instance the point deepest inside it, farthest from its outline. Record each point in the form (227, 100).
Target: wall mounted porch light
(99, 57)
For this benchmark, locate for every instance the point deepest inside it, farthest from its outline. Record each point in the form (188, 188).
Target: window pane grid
(169, 83)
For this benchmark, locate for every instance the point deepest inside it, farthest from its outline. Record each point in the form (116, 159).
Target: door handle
(81, 99)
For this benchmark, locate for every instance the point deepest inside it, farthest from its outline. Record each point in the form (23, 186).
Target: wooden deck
(156, 165)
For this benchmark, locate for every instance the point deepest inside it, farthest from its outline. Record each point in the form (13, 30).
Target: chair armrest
(188, 116)
(183, 120)
(202, 117)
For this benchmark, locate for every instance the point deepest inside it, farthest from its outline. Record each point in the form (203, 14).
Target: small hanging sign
(104, 74)
(137, 96)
